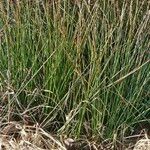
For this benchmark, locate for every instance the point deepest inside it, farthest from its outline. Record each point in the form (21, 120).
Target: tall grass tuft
(76, 67)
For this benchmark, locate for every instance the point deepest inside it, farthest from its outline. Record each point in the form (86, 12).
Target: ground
(15, 136)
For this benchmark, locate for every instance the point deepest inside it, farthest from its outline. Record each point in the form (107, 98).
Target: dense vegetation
(76, 67)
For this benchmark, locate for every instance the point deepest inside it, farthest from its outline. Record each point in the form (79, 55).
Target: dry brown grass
(20, 137)
(15, 136)
(143, 144)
